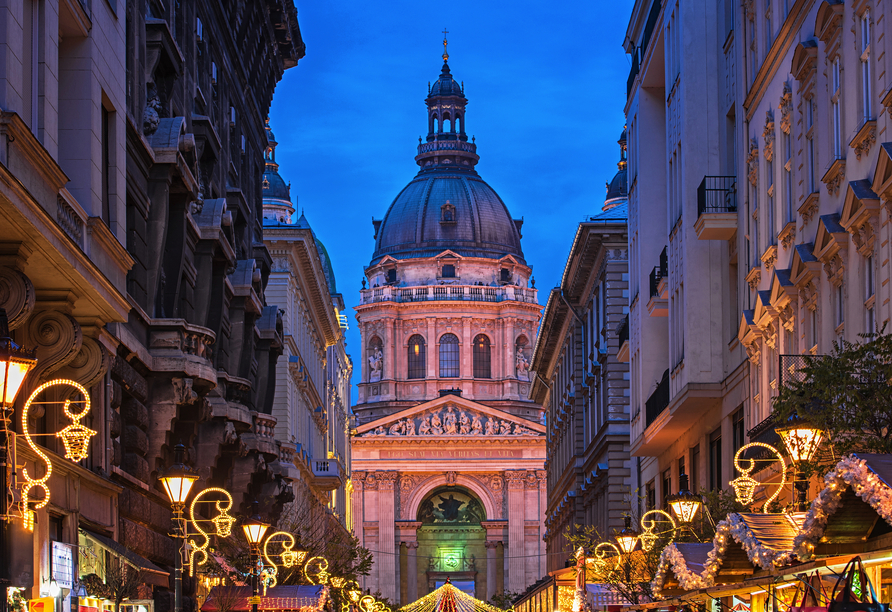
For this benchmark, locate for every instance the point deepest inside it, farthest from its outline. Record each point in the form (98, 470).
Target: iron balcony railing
(623, 331)
(639, 51)
(441, 293)
(658, 273)
(658, 400)
(717, 194)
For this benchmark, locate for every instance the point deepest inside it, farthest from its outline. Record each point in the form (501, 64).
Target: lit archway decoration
(75, 439)
(745, 485)
(289, 556)
(320, 575)
(222, 523)
(648, 536)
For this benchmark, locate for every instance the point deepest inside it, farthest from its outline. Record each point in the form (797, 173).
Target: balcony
(622, 354)
(449, 293)
(658, 401)
(658, 304)
(326, 474)
(716, 208)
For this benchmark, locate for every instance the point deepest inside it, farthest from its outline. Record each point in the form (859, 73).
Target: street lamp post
(177, 482)
(685, 504)
(255, 529)
(15, 363)
(801, 439)
(627, 539)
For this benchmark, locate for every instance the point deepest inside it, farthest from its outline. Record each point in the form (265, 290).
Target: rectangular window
(106, 170)
(813, 328)
(738, 432)
(681, 469)
(811, 153)
(667, 485)
(695, 468)
(870, 295)
(715, 460)
(866, 97)
(769, 32)
(839, 303)
(788, 176)
(650, 496)
(835, 115)
(769, 182)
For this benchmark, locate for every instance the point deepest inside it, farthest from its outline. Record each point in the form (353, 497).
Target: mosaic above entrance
(451, 506)
(450, 421)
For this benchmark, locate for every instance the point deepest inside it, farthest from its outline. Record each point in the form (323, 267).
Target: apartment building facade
(777, 215)
(581, 382)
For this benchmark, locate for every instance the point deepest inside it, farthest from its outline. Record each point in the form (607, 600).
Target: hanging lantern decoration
(800, 438)
(316, 570)
(648, 536)
(745, 485)
(222, 523)
(289, 556)
(684, 503)
(75, 438)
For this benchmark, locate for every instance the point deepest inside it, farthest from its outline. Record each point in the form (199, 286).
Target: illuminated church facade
(448, 453)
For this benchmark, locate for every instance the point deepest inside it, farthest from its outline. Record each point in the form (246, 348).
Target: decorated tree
(847, 394)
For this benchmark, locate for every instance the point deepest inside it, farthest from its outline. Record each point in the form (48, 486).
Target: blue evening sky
(545, 83)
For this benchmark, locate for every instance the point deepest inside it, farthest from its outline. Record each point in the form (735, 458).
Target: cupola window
(416, 357)
(449, 359)
(505, 275)
(448, 271)
(447, 213)
(482, 357)
(390, 276)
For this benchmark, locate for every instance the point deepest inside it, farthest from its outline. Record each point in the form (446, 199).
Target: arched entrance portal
(451, 541)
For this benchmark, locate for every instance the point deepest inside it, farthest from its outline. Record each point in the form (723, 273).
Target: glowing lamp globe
(354, 595)
(179, 478)
(684, 504)
(254, 527)
(628, 537)
(800, 437)
(15, 363)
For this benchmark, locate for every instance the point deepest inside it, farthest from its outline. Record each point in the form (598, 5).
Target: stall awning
(288, 597)
(152, 574)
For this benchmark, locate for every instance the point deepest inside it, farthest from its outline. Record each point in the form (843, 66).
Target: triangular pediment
(782, 290)
(449, 254)
(803, 264)
(804, 59)
(747, 326)
(763, 308)
(830, 237)
(509, 259)
(450, 413)
(882, 176)
(861, 202)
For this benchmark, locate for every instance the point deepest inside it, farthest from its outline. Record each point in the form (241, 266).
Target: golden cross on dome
(445, 42)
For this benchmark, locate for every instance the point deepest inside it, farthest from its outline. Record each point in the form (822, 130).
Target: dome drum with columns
(449, 451)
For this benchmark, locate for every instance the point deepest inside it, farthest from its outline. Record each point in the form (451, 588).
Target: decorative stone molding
(808, 209)
(864, 236)
(57, 338)
(754, 278)
(386, 480)
(515, 480)
(787, 318)
(834, 268)
(808, 295)
(450, 478)
(787, 235)
(865, 138)
(89, 365)
(753, 353)
(769, 257)
(371, 481)
(752, 161)
(16, 295)
(786, 108)
(834, 176)
(768, 136)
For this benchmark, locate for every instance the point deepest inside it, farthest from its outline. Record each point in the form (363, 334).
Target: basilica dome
(447, 205)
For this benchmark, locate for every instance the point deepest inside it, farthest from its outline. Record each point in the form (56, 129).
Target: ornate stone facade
(449, 452)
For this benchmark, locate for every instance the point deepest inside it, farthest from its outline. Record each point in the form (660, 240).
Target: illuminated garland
(222, 522)
(648, 537)
(745, 486)
(75, 438)
(289, 556)
(852, 472)
(321, 575)
(447, 599)
(671, 558)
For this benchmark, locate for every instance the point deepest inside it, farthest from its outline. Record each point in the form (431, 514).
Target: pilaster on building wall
(769, 165)
(132, 259)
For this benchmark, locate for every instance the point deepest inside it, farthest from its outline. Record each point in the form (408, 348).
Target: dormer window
(448, 271)
(505, 275)
(447, 213)
(390, 276)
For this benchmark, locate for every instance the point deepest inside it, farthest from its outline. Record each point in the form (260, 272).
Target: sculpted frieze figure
(464, 423)
(409, 427)
(425, 428)
(521, 366)
(476, 425)
(450, 422)
(397, 428)
(504, 428)
(376, 365)
(491, 429)
(436, 425)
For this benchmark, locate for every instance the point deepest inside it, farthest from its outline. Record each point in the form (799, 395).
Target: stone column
(431, 357)
(516, 579)
(491, 569)
(387, 567)
(411, 571)
(542, 475)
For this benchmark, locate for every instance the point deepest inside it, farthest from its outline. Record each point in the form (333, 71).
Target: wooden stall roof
(287, 597)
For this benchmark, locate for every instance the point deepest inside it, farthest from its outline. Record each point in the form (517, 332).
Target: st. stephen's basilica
(448, 453)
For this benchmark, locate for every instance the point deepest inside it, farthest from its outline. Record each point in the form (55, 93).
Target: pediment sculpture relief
(451, 422)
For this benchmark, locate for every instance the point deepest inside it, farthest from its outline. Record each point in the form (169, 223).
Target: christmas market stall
(448, 598)
(297, 598)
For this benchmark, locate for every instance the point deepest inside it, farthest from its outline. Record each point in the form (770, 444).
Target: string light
(448, 598)
(222, 523)
(75, 438)
(289, 556)
(745, 486)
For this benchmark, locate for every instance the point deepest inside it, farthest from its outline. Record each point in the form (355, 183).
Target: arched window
(416, 357)
(436, 124)
(458, 124)
(376, 359)
(449, 360)
(481, 357)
